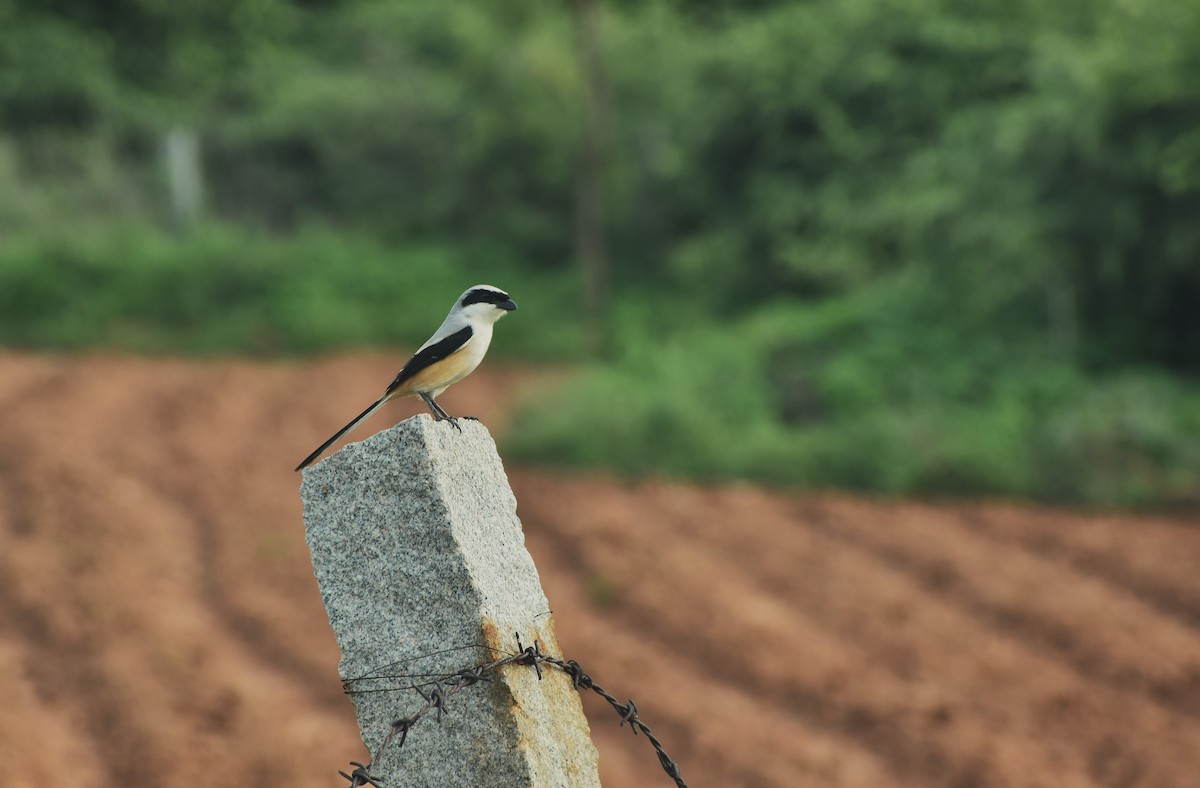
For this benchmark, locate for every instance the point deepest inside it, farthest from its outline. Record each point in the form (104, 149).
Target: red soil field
(160, 625)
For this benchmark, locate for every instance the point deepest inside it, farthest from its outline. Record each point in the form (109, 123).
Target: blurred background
(921, 249)
(910, 247)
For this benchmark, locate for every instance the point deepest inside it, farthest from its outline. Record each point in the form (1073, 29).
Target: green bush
(221, 289)
(870, 392)
(933, 246)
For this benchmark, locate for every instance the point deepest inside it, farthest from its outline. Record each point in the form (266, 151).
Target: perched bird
(451, 354)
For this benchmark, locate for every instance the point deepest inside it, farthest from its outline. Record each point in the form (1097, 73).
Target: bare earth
(159, 623)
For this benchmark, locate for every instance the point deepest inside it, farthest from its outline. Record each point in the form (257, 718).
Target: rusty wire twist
(446, 686)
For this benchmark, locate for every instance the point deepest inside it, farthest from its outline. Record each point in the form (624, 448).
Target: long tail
(376, 405)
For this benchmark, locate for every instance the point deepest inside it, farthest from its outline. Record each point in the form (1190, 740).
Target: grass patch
(871, 393)
(226, 290)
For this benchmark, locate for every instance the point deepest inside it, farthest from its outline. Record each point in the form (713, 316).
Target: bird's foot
(453, 422)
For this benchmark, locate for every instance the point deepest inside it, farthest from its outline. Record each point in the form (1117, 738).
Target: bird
(452, 353)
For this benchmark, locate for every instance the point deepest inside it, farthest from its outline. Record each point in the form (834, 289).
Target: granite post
(423, 569)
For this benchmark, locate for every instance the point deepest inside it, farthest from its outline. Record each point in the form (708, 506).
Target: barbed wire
(437, 689)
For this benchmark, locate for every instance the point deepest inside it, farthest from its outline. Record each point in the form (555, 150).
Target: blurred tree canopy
(1044, 161)
(1041, 162)
(959, 191)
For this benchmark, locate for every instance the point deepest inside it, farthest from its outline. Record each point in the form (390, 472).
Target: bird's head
(484, 302)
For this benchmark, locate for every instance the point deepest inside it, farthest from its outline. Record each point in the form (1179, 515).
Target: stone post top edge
(421, 426)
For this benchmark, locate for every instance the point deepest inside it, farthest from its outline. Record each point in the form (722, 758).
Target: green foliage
(222, 290)
(870, 392)
(932, 245)
(78, 64)
(414, 120)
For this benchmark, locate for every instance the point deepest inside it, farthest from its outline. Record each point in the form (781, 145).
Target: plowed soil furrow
(950, 558)
(28, 378)
(719, 733)
(142, 685)
(233, 561)
(160, 624)
(61, 640)
(1158, 567)
(926, 638)
(663, 570)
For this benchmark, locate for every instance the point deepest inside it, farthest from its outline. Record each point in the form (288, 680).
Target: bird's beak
(508, 306)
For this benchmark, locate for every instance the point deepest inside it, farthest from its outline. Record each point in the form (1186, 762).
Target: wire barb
(468, 677)
(445, 686)
(629, 715)
(361, 776)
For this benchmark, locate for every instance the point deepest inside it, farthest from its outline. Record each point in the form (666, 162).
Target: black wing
(422, 359)
(431, 354)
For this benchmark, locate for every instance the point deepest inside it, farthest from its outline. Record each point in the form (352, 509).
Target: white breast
(439, 376)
